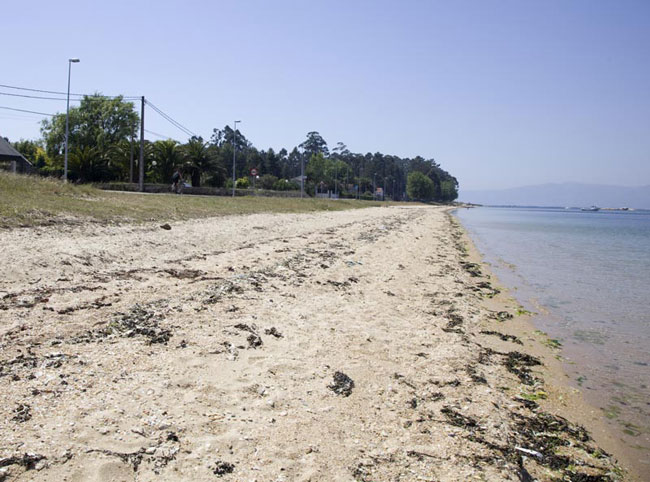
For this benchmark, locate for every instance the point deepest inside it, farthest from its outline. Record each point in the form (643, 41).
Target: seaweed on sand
(342, 384)
(138, 321)
(458, 419)
(27, 460)
(554, 443)
(222, 468)
(473, 269)
(519, 363)
(455, 320)
(502, 336)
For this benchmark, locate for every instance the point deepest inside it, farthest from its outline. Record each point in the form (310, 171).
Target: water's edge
(569, 401)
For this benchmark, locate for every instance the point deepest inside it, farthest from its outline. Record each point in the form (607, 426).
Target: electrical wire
(35, 96)
(88, 97)
(36, 90)
(28, 111)
(131, 97)
(159, 135)
(165, 116)
(171, 120)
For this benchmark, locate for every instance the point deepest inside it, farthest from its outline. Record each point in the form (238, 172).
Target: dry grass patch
(34, 201)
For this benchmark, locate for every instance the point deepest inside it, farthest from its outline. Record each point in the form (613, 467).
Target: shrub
(267, 181)
(286, 185)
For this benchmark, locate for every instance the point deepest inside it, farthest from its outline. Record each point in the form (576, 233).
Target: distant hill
(565, 194)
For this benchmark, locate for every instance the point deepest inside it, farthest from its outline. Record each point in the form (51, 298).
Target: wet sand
(355, 345)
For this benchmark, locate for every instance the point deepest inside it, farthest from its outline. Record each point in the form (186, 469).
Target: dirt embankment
(348, 346)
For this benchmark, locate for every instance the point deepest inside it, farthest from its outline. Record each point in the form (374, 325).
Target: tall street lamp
(234, 150)
(67, 122)
(302, 175)
(374, 187)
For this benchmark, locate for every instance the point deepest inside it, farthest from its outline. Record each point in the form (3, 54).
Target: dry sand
(307, 347)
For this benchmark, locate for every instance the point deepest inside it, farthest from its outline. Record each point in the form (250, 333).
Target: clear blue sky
(500, 93)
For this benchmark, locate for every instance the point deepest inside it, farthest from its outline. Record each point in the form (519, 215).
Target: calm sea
(587, 275)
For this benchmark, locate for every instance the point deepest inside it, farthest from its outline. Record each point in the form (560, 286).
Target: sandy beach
(360, 345)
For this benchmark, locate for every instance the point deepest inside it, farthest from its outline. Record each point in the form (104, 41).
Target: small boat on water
(592, 208)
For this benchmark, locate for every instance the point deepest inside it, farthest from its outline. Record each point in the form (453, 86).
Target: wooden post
(131, 159)
(141, 166)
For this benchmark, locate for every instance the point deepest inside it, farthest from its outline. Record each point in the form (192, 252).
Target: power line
(34, 96)
(131, 97)
(159, 135)
(165, 116)
(28, 111)
(88, 97)
(171, 120)
(36, 90)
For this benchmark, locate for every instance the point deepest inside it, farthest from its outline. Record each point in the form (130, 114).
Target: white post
(67, 122)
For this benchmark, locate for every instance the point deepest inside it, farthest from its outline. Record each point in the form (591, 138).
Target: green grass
(34, 201)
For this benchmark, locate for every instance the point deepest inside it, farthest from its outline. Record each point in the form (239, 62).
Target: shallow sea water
(587, 275)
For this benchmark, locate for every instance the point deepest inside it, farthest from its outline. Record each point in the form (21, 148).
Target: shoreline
(561, 398)
(349, 345)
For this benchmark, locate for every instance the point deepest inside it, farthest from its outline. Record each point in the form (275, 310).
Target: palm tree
(198, 159)
(119, 156)
(88, 165)
(167, 156)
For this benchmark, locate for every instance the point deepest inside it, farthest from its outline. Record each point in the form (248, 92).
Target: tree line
(103, 139)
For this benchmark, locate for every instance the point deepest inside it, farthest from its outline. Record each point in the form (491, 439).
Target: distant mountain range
(568, 194)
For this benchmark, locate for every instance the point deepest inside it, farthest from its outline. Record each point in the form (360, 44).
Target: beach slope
(351, 345)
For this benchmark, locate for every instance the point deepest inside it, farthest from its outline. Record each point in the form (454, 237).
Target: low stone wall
(202, 191)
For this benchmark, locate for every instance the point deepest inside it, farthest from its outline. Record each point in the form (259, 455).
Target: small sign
(253, 172)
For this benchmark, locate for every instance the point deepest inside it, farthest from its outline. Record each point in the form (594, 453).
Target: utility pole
(131, 159)
(67, 121)
(234, 150)
(141, 163)
(336, 178)
(302, 175)
(359, 185)
(374, 186)
(406, 193)
(383, 193)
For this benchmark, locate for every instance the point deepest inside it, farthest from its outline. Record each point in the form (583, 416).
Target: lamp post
(67, 122)
(234, 150)
(336, 179)
(374, 186)
(302, 175)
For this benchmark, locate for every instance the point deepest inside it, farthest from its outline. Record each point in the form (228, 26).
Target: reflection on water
(588, 275)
